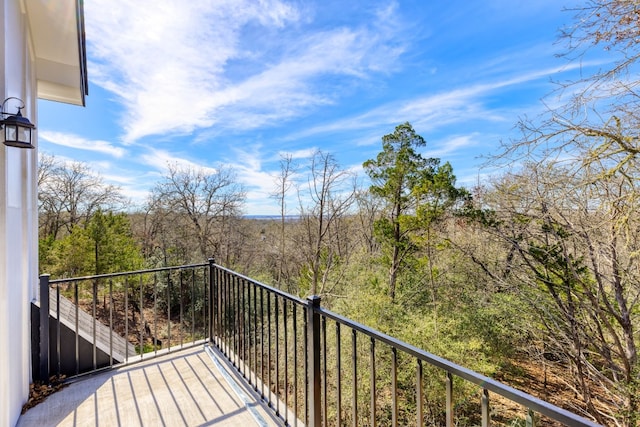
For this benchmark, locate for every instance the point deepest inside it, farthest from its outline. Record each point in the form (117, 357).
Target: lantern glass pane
(10, 133)
(24, 135)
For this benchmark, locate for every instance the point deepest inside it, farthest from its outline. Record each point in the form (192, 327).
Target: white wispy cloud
(174, 66)
(451, 145)
(162, 61)
(304, 153)
(161, 160)
(429, 111)
(80, 143)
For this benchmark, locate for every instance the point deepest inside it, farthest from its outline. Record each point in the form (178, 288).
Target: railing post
(212, 304)
(44, 328)
(313, 337)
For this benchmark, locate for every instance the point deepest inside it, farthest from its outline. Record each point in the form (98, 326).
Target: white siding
(18, 219)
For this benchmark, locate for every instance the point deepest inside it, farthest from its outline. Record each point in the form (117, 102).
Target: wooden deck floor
(192, 387)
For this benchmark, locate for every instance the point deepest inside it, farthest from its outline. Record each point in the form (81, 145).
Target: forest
(531, 276)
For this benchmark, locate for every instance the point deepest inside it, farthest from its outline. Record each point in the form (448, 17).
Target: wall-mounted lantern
(17, 129)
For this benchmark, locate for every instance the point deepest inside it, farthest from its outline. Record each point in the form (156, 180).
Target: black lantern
(17, 129)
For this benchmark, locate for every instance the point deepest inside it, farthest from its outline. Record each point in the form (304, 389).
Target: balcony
(213, 347)
(190, 387)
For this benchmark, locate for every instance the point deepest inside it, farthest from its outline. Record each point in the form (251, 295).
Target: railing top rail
(128, 273)
(531, 402)
(276, 291)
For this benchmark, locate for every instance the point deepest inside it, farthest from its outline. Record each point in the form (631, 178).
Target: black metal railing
(315, 367)
(100, 321)
(310, 365)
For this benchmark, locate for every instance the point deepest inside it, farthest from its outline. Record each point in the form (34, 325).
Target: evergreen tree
(416, 190)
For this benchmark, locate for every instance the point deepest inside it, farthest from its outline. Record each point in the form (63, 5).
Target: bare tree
(594, 117)
(369, 211)
(572, 251)
(283, 182)
(200, 204)
(69, 194)
(324, 204)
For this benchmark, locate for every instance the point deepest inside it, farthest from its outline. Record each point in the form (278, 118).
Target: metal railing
(310, 365)
(315, 367)
(103, 320)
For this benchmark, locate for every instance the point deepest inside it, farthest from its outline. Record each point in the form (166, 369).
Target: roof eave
(59, 44)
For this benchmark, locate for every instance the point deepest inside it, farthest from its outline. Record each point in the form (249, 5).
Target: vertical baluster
(277, 326)
(181, 297)
(231, 317)
(142, 325)
(217, 286)
(295, 364)
(110, 322)
(94, 308)
(193, 305)
(394, 386)
(531, 418)
(224, 277)
(212, 308)
(126, 316)
(484, 402)
(215, 310)
(372, 355)
(155, 313)
(255, 336)
(233, 307)
(215, 300)
(169, 310)
(269, 347)
(247, 330)
(306, 363)
(262, 377)
(286, 362)
(233, 327)
(77, 343)
(225, 316)
(224, 297)
(206, 300)
(338, 377)
(58, 327)
(324, 371)
(248, 317)
(238, 322)
(354, 373)
(243, 326)
(419, 396)
(222, 333)
(207, 310)
(228, 313)
(449, 402)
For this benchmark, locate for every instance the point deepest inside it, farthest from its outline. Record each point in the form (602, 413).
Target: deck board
(184, 388)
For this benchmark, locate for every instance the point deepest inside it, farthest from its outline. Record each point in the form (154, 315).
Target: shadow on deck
(194, 387)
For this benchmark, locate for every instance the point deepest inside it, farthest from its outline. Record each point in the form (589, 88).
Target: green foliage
(468, 326)
(104, 245)
(417, 192)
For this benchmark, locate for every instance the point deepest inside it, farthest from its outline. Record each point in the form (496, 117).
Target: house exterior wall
(18, 216)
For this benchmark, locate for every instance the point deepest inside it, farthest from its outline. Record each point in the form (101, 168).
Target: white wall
(18, 218)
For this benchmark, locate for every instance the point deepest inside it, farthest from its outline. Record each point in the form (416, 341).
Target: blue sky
(240, 82)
